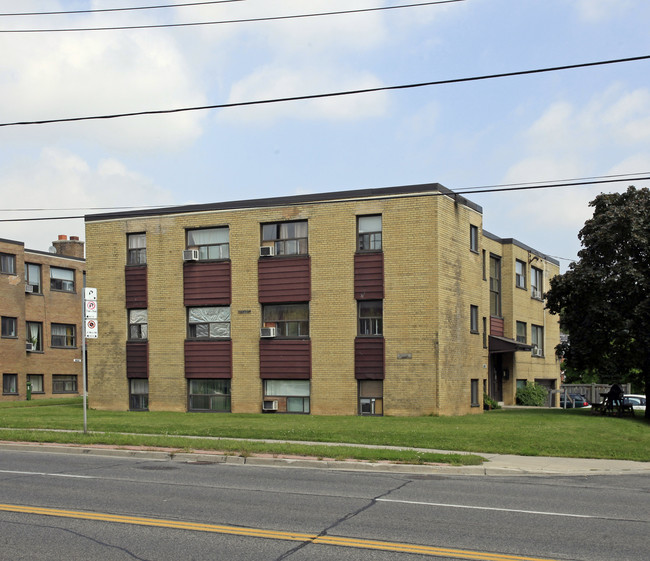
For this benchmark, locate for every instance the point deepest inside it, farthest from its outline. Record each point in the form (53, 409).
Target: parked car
(637, 401)
(573, 400)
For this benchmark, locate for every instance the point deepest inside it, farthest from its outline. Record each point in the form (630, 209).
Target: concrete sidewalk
(495, 464)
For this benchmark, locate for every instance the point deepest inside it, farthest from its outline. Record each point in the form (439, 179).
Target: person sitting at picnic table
(614, 397)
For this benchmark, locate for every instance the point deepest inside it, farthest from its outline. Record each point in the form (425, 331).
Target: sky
(535, 128)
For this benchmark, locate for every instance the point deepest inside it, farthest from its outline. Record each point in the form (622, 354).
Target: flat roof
(522, 245)
(313, 198)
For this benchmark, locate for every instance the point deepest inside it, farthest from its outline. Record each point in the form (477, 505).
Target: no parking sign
(91, 329)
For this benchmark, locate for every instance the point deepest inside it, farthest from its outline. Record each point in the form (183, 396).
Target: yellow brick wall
(431, 279)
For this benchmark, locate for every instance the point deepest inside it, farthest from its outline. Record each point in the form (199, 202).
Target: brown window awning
(505, 345)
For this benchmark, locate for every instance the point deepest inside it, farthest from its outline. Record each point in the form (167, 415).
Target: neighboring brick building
(383, 301)
(40, 305)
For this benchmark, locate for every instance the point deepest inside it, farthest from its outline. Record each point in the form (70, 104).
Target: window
(208, 323)
(138, 394)
(483, 264)
(7, 263)
(287, 238)
(33, 276)
(371, 397)
(138, 324)
(520, 274)
(474, 393)
(473, 238)
(10, 383)
(536, 282)
(36, 380)
(485, 333)
(537, 339)
(64, 383)
(495, 286)
(61, 279)
(369, 233)
(521, 384)
(9, 327)
(290, 320)
(212, 243)
(209, 395)
(473, 319)
(521, 332)
(63, 335)
(35, 335)
(370, 317)
(136, 249)
(296, 393)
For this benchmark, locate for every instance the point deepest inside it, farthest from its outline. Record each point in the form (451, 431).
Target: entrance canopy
(505, 345)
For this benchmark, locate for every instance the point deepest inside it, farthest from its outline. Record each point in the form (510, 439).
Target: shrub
(489, 403)
(532, 394)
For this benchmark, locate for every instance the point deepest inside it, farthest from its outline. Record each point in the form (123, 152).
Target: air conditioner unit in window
(267, 251)
(29, 288)
(29, 347)
(267, 332)
(190, 255)
(538, 352)
(270, 405)
(537, 294)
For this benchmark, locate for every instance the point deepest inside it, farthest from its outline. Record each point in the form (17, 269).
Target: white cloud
(60, 179)
(273, 82)
(66, 75)
(600, 10)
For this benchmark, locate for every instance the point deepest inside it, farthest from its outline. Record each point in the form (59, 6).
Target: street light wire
(129, 9)
(222, 22)
(328, 95)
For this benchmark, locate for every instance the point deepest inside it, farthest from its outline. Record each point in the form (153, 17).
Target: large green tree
(604, 298)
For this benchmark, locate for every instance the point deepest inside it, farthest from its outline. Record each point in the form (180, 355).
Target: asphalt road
(57, 506)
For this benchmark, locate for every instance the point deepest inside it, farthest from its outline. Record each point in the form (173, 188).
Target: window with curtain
(9, 327)
(63, 383)
(34, 332)
(136, 249)
(369, 233)
(536, 282)
(296, 393)
(495, 286)
(208, 322)
(7, 263)
(537, 338)
(10, 383)
(36, 380)
(521, 332)
(63, 335)
(209, 395)
(61, 279)
(138, 394)
(212, 243)
(138, 324)
(287, 238)
(520, 274)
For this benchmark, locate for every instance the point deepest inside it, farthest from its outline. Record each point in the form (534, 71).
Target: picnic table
(613, 403)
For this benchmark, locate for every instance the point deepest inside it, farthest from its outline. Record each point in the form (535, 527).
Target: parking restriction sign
(91, 309)
(91, 329)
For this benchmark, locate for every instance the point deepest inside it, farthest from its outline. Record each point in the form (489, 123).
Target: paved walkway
(495, 464)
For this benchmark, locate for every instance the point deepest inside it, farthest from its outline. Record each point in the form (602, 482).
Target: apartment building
(388, 301)
(40, 304)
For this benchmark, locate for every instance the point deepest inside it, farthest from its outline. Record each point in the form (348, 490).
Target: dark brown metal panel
(369, 358)
(285, 359)
(369, 276)
(284, 279)
(207, 284)
(135, 279)
(137, 359)
(208, 359)
(496, 326)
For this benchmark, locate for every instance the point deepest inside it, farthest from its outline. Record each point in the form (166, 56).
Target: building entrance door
(496, 376)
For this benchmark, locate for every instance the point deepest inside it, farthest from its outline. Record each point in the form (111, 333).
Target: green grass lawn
(543, 432)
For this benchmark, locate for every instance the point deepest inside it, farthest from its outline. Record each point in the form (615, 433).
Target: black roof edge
(404, 191)
(55, 255)
(522, 245)
(4, 240)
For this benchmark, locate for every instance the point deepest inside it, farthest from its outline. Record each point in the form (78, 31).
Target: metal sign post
(89, 327)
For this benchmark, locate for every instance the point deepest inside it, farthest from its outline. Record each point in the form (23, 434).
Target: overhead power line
(328, 95)
(223, 22)
(464, 191)
(100, 10)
